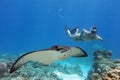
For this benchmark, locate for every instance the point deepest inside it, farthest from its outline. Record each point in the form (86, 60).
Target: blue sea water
(27, 25)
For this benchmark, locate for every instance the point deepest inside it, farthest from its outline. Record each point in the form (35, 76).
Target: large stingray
(48, 56)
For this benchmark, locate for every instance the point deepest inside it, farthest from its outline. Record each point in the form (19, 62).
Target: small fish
(48, 56)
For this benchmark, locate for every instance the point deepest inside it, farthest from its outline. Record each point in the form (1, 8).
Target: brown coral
(112, 75)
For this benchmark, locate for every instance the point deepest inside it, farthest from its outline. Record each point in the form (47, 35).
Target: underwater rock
(101, 54)
(7, 59)
(103, 65)
(6, 62)
(3, 69)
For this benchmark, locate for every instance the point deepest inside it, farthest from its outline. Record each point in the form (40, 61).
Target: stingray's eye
(59, 48)
(54, 47)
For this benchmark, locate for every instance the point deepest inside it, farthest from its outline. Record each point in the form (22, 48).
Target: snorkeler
(85, 35)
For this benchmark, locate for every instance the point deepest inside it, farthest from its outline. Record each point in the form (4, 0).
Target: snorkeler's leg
(77, 30)
(77, 33)
(69, 33)
(68, 30)
(73, 31)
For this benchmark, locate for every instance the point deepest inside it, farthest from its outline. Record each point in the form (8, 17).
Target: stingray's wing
(48, 56)
(78, 52)
(45, 57)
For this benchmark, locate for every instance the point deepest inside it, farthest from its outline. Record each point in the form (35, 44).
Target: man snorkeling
(85, 35)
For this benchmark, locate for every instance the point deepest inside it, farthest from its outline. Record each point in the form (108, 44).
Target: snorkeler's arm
(99, 38)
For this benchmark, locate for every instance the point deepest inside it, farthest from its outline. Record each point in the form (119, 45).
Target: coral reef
(112, 74)
(104, 68)
(34, 71)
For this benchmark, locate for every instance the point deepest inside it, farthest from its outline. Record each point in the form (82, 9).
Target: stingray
(48, 56)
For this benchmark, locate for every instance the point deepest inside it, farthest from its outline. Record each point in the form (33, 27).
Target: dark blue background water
(27, 25)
